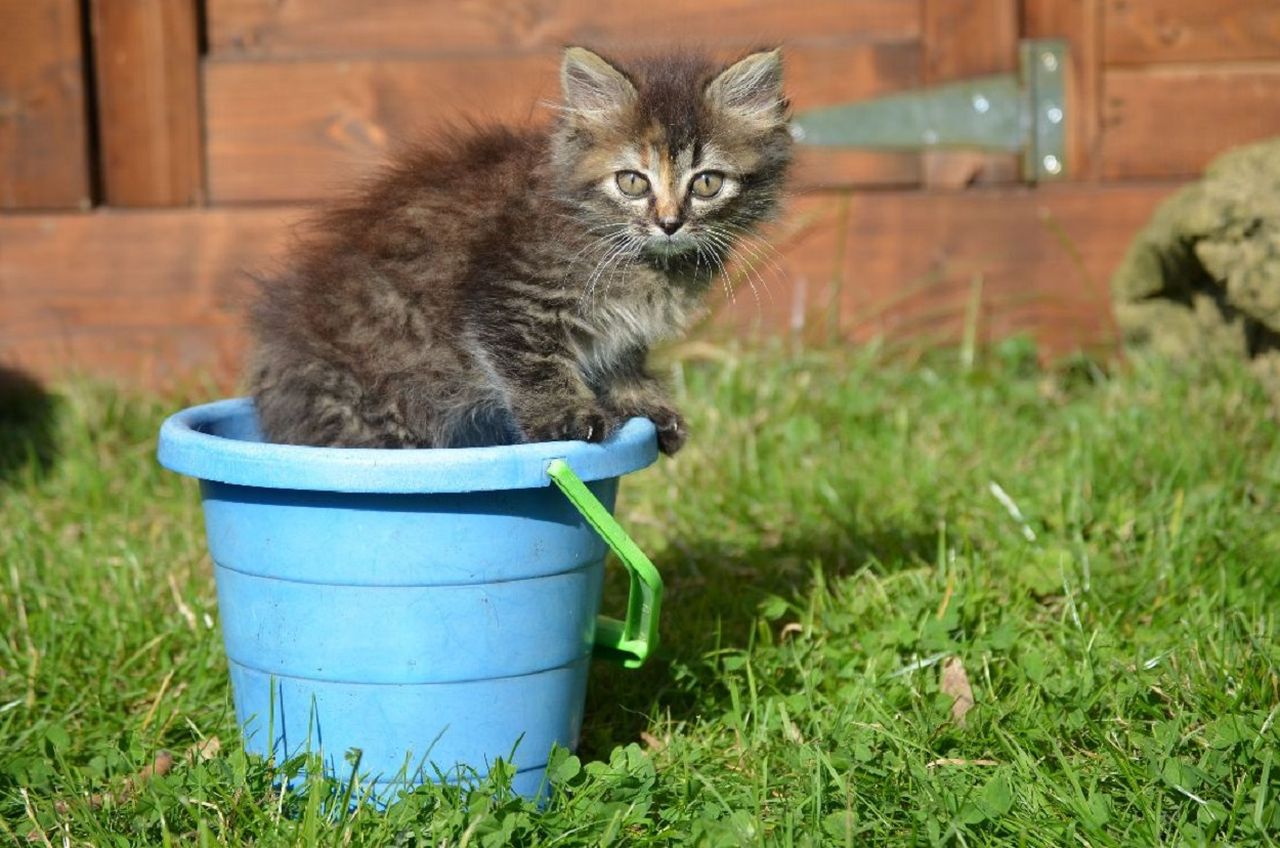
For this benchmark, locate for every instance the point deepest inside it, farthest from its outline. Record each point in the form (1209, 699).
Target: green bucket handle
(629, 642)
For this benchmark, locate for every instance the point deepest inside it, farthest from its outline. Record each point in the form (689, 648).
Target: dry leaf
(161, 765)
(956, 761)
(652, 742)
(206, 750)
(956, 684)
(789, 628)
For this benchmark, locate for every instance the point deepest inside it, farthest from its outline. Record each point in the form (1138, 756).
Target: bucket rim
(186, 447)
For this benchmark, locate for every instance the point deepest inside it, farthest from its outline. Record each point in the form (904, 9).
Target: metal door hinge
(1023, 112)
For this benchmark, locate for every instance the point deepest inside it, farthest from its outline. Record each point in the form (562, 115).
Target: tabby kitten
(505, 286)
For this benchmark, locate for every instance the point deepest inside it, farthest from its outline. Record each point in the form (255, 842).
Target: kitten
(506, 286)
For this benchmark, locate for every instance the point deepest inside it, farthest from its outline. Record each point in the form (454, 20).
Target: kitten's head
(673, 157)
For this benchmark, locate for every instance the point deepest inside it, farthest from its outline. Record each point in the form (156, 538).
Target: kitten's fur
(503, 287)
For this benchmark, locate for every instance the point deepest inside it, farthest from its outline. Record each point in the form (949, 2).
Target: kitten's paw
(672, 431)
(587, 424)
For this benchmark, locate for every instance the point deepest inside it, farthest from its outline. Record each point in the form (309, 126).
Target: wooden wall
(44, 141)
(152, 152)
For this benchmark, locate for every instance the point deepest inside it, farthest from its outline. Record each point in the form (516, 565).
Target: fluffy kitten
(506, 286)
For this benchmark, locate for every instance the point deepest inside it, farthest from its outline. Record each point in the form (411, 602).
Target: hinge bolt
(1049, 61)
(981, 104)
(1052, 165)
(1055, 115)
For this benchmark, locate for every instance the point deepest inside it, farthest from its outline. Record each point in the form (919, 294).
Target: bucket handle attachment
(629, 642)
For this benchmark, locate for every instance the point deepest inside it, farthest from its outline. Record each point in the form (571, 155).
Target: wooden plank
(968, 38)
(44, 153)
(288, 131)
(327, 28)
(145, 53)
(1170, 121)
(1039, 260)
(824, 76)
(908, 266)
(147, 296)
(1150, 31)
(964, 38)
(151, 296)
(1080, 23)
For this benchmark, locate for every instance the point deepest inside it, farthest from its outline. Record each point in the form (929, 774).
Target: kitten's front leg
(635, 392)
(649, 400)
(544, 390)
(557, 405)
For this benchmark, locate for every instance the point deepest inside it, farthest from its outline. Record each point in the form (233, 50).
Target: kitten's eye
(632, 184)
(707, 184)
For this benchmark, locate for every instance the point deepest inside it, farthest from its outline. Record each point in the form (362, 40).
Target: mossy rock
(1202, 280)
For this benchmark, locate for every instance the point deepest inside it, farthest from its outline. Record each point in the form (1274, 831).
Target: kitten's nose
(670, 225)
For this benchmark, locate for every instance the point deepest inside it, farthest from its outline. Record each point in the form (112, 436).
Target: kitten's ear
(751, 88)
(593, 89)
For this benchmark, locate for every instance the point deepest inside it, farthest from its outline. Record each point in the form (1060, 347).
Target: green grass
(828, 538)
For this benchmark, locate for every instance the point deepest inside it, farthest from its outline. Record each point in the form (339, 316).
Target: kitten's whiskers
(751, 253)
(616, 252)
(604, 246)
(719, 243)
(636, 245)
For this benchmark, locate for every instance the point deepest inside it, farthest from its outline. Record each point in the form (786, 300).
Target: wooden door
(217, 122)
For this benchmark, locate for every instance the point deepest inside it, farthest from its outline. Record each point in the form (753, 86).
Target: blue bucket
(434, 609)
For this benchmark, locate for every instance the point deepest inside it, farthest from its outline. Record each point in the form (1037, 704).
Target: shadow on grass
(712, 601)
(27, 414)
